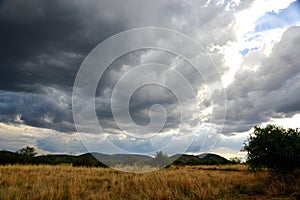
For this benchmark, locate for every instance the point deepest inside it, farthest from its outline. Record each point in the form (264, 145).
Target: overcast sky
(249, 74)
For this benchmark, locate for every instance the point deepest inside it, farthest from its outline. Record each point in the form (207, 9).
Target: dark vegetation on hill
(92, 159)
(202, 159)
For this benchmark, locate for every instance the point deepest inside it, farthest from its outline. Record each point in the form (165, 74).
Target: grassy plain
(190, 182)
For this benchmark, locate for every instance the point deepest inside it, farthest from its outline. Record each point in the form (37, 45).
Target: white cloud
(16, 136)
(288, 122)
(246, 37)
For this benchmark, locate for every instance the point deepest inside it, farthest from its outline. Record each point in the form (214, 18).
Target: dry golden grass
(67, 182)
(237, 167)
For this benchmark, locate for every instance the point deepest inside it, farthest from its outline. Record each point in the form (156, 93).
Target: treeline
(7, 157)
(27, 155)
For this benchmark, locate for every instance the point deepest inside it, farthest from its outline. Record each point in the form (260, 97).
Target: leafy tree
(161, 159)
(275, 148)
(27, 151)
(26, 154)
(236, 160)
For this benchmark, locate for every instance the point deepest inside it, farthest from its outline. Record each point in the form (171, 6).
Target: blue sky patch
(245, 51)
(286, 17)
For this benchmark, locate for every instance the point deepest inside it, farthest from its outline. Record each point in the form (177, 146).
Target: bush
(274, 148)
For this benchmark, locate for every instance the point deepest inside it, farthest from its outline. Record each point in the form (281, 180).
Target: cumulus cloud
(14, 137)
(255, 96)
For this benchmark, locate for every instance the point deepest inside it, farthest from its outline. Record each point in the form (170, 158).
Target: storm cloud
(44, 43)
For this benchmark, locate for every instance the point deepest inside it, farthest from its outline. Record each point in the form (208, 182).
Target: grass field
(199, 182)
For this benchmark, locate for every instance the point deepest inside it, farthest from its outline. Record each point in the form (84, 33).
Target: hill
(202, 159)
(92, 159)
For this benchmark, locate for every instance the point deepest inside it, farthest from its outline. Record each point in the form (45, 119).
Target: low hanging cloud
(36, 110)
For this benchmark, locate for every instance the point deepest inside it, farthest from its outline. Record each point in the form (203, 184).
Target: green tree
(274, 148)
(26, 154)
(27, 151)
(236, 160)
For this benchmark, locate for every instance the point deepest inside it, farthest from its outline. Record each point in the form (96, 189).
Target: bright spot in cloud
(291, 122)
(248, 38)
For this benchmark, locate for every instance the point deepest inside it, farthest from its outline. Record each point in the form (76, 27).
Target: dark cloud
(43, 44)
(147, 95)
(36, 110)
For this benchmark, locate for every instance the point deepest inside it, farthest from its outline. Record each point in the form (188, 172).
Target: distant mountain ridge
(99, 159)
(100, 156)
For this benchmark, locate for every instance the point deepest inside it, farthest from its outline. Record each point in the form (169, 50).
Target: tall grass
(67, 182)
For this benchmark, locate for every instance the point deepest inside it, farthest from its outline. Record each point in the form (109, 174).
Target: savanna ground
(189, 182)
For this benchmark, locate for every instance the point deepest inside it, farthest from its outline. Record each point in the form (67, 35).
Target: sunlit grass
(67, 182)
(237, 167)
(135, 168)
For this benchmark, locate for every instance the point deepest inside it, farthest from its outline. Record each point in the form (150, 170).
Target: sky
(243, 70)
